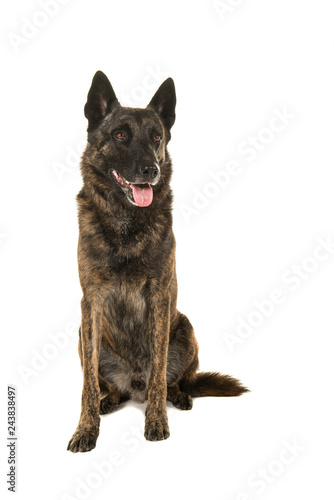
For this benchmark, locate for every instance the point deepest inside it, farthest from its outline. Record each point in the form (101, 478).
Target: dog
(133, 342)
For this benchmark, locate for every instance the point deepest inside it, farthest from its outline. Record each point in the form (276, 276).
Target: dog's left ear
(164, 102)
(101, 98)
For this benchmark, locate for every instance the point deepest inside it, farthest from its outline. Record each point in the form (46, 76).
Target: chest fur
(126, 311)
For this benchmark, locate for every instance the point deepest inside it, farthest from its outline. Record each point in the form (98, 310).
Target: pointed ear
(101, 98)
(164, 101)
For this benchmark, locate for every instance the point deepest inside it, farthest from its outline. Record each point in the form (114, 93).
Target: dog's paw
(107, 405)
(83, 441)
(156, 430)
(183, 401)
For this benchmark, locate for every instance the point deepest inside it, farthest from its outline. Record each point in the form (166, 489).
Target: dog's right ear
(100, 100)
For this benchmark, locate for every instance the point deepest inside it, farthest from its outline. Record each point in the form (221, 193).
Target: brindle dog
(133, 342)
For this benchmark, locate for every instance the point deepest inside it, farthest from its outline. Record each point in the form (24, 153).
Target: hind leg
(182, 362)
(111, 397)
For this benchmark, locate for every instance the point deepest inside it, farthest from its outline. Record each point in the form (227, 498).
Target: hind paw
(107, 405)
(183, 401)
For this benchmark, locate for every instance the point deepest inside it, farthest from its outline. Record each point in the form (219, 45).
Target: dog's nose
(151, 171)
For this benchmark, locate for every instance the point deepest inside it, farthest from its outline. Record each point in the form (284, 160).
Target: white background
(231, 71)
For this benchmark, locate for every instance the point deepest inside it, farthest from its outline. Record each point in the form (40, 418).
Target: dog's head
(127, 146)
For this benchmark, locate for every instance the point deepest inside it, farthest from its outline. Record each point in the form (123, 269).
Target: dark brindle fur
(134, 343)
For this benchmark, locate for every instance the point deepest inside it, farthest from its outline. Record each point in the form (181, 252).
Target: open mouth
(138, 194)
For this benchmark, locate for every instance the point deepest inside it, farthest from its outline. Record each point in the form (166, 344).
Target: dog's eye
(157, 138)
(121, 136)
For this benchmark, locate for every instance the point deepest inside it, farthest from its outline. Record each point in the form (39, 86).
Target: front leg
(156, 422)
(85, 436)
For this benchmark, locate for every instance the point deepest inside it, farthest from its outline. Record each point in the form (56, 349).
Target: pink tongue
(143, 194)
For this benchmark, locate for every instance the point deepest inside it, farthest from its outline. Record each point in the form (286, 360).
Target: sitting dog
(133, 342)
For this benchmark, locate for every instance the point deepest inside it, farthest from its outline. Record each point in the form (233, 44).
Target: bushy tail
(212, 384)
